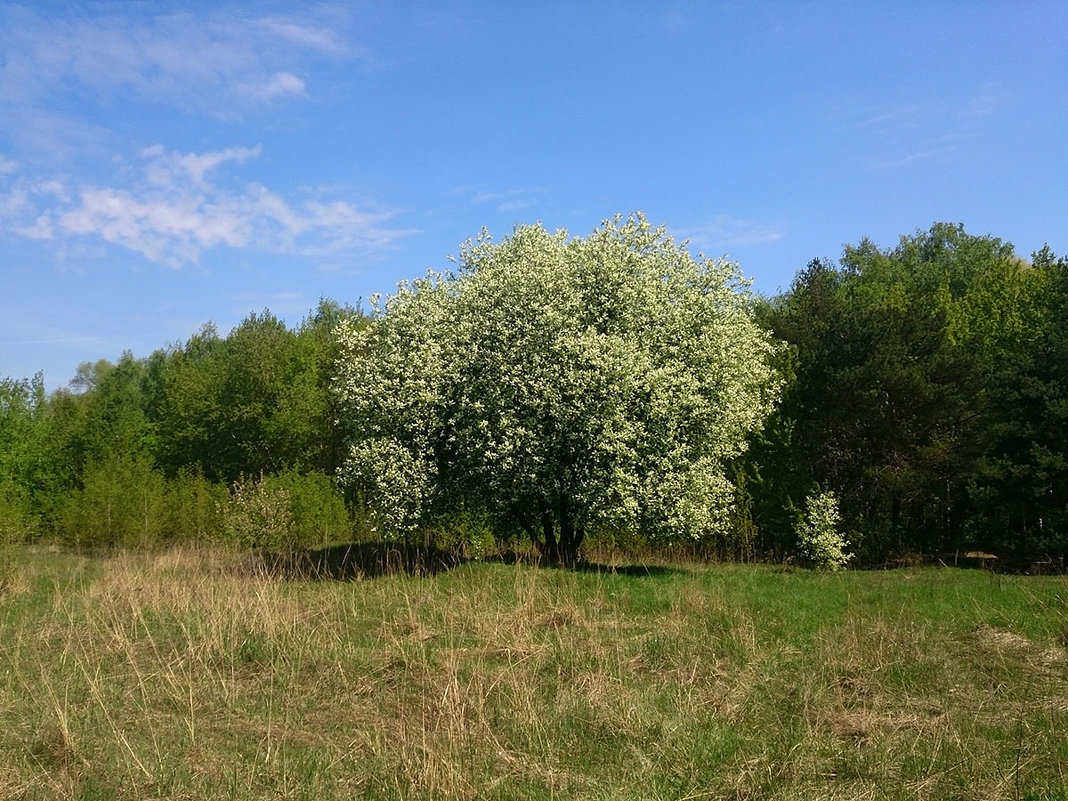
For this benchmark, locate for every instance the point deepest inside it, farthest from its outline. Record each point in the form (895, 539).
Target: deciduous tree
(559, 385)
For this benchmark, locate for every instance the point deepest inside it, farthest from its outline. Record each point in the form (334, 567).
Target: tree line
(927, 387)
(229, 438)
(611, 388)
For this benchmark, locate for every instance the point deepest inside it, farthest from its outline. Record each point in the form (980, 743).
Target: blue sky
(165, 165)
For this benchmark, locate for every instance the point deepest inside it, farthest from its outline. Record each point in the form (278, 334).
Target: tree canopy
(927, 393)
(558, 385)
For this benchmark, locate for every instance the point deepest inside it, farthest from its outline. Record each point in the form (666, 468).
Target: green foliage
(920, 393)
(610, 387)
(21, 403)
(821, 543)
(122, 501)
(17, 523)
(560, 385)
(285, 512)
(465, 532)
(185, 407)
(258, 516)
(194, 507)
(114, 415)
(15, 527)
(316, 506)
(140, 451)
(255, 402)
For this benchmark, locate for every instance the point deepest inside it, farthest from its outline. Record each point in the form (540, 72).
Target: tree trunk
(550, 548)
(571, 536)
(560, 538)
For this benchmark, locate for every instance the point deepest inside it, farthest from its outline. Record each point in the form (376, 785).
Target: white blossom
(611, 375)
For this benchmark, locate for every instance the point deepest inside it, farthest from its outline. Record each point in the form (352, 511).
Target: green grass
(181, 675)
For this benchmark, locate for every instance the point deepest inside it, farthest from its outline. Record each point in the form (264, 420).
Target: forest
(923, 389)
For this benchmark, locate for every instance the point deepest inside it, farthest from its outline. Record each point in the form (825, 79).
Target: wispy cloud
(988, 102)
(20, 203)
(929, 154)
(215, 63)
(168, 168)
(181, 209)
(22, 327)
(725, 232)
(507, 200)
(929, 133)
(898, 118)
(318, 38)
(284, 83)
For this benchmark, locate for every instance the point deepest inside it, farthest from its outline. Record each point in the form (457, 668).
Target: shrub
(821, 544)
(316, 506)
(285, 511)
(16, 519)
(194, 506)
(257, 516)
(122, 502)
(466, 533)
(15, 527)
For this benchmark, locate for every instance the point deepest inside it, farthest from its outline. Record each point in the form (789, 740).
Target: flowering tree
(557, 385)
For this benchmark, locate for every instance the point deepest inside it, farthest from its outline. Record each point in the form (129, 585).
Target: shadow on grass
(356, 560)
(365, 560)
(583, 566)
(639, 571)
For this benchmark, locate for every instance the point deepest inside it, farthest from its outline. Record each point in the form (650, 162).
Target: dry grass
(181, 675)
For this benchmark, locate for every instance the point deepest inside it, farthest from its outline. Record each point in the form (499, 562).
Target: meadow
(192, 674)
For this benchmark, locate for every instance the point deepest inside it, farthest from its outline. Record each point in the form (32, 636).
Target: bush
(284, 512)
(122, 502)
(821, 544)
(316, 506)
(257, 516)
(194, 507)
(15, 527)
(466, 533)
(16, 518)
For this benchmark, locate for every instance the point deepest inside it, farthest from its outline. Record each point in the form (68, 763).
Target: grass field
(186, 675)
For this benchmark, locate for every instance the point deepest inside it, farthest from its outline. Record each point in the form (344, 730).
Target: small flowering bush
(821, 544)
(258, 515)
(285, 511)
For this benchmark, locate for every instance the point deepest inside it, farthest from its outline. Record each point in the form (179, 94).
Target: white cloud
(931, 133)
(41, 228)
(168, 167)
(508, 200)
(894, 119)
(20, 210)
(14, 203)
(219, 64)
(724, 232)
(985, 104)
(7, 165)
(283, 83)
(181, 210)
(322, 39)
